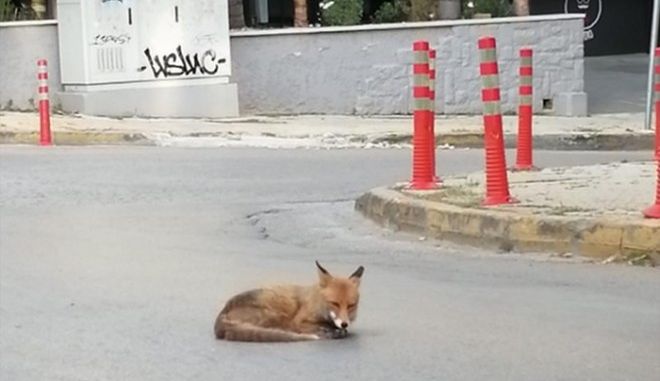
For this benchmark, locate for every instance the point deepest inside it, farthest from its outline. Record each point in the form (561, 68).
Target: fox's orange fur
(292, 313)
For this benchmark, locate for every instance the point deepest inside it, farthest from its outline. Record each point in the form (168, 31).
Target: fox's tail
(239, 331)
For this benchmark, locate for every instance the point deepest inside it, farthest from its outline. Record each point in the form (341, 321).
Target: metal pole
(650, 80)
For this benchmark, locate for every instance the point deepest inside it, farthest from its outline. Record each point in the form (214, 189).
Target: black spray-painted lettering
(177, 64)
(103, 39)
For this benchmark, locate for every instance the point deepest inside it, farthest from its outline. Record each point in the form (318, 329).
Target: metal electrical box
(110, 45)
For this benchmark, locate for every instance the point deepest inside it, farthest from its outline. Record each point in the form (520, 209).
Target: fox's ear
(355, 277)
(324, 275)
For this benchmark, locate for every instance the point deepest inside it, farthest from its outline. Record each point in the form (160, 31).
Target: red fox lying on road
(292, 313)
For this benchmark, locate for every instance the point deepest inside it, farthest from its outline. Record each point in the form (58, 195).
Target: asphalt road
(115, 261)
(616, 84)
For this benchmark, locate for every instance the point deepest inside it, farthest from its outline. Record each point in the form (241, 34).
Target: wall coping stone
(404, 25)
(10, 24)
(356, 28)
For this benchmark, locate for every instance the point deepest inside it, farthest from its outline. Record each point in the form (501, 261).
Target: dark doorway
(611, 26)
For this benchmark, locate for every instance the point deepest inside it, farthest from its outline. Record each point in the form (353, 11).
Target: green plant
(423, 10)
(16, 10)
(496, 8)
(392, 11)
(6, 10)
(341, 12)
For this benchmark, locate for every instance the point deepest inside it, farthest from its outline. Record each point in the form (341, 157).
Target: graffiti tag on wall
(208, 38)
(103, 39)
(176, 64)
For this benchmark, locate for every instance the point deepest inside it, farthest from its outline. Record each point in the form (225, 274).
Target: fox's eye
(334, 304)
(351, 306)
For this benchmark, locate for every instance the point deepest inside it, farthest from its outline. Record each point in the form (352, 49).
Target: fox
(287, 313)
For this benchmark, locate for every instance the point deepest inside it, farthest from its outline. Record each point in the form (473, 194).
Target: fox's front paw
(334, 333)
(340, 333)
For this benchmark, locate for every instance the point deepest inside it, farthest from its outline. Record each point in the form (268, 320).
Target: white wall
(21, 45)
(361, 70)
(367, 69)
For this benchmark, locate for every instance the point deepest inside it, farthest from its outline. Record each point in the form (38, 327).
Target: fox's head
(341, 295)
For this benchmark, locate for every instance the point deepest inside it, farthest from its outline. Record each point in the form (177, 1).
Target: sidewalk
(602, 132)
(594, 211)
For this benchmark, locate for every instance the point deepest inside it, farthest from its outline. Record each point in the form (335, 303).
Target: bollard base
(652, 212)
(524, 167)
(426, 185)
(498, 200)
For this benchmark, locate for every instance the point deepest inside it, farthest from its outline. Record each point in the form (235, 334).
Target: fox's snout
(338, 321)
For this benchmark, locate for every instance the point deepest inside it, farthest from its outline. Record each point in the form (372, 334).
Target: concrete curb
(558, 142)
(75, 138)
(599, 238)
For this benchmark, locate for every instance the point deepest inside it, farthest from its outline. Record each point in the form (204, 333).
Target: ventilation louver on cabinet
(110, 59)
